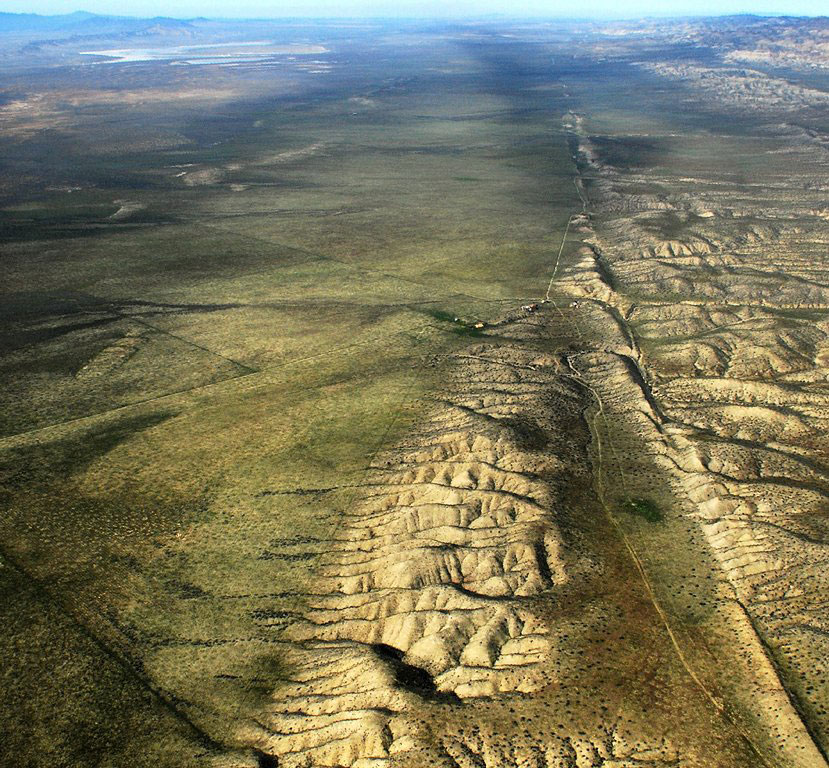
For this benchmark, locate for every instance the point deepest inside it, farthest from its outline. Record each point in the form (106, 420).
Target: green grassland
(191, 390)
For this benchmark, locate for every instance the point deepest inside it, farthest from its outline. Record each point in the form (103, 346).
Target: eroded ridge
(428, 592)
(723, 322)
(612, 746)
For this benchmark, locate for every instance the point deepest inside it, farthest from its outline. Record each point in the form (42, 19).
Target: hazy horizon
(248, 9)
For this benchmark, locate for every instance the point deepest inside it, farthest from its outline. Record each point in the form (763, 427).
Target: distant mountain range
(82, 22)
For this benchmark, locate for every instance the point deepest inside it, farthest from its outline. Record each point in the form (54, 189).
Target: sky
(420, 8)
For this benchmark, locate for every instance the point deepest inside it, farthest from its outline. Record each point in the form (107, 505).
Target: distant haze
(417, 8)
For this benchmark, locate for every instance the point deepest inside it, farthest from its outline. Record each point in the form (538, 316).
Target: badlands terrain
(401, 395)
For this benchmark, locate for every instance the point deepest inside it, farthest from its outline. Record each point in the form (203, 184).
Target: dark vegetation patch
(459, 325)
(647, 509)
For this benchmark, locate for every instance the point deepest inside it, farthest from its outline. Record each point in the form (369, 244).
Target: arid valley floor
(419, 394)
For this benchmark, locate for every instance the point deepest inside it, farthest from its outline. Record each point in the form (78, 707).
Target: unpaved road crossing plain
(415, 395)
